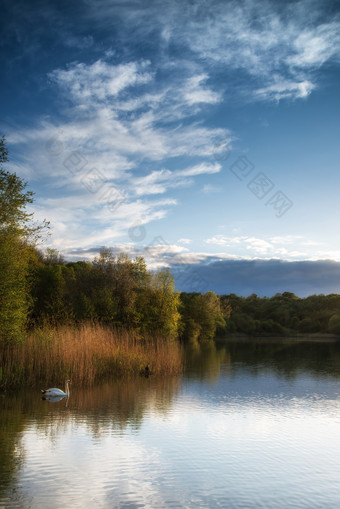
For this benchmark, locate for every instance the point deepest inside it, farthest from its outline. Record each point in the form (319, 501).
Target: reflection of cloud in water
(109, 462)
(91, 471)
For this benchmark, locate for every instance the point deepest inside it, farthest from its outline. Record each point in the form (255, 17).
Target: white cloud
(159, 181)
(222, 240)
(200, 169)
(285, 89)
(269, 247)
(100, 80)
(159, 253)
(194, 92)
(315, 46)
(154, 183)
(209, 189)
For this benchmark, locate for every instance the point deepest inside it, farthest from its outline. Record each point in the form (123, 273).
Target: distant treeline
(283, 314)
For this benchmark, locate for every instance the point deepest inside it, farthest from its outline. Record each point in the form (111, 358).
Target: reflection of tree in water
(204, 359)
(114, 405)
(124, 403)
(12, 423)
(288, 358)
(285, 357)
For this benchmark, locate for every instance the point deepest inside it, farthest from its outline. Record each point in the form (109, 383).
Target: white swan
(57, 393)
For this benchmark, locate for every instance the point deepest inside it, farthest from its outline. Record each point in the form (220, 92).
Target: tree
(202, 315)
(334, 324)
(17, 233)
(13, 199)
(53, 257)
(117, 281)
(158, 304)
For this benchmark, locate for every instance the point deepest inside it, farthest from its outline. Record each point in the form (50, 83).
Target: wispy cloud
(100, 80)
(158, 182)
(286, 247)
(195, 92)
(285, 89)
(200, 169)
(184, 241)
(209, 189)
(97, 145)
(272, 42)
(275, 45)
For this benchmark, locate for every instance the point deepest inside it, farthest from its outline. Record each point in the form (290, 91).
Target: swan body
(57, 393)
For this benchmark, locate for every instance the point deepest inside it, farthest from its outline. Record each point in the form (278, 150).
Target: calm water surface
(250, 425)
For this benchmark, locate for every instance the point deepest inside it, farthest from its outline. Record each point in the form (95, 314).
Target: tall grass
(85, 355)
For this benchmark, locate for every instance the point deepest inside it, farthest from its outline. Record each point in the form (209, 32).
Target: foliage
(17, 234)
(283, 314)
(201, 315)
(113, 289)
(13, 197)
(14, 289)
(334, 324)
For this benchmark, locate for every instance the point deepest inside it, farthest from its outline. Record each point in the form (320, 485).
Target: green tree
(51, 256)
(116, 282)
(334, 324)
(17, 233)
(48, 292)
(202, 315)
(158, 304)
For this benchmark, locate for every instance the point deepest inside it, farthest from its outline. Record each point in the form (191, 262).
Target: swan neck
(67, 391)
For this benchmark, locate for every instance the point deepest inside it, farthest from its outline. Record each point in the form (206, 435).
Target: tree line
(112, 289)
(283, 314)
(121, 292)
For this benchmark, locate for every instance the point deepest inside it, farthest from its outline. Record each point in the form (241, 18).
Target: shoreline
(296, 338)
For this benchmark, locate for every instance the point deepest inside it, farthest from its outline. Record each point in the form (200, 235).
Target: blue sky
(196, 133)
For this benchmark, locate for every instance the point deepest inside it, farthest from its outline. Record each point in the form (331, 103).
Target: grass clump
(86, 354)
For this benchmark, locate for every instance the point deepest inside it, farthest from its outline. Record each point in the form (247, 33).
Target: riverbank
(85, 355)
(311, 337)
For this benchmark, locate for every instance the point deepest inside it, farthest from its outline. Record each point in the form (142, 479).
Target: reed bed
(85, 355)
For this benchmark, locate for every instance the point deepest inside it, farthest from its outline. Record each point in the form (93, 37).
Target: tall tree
(159, 303)
(17, 232)
(202, 315)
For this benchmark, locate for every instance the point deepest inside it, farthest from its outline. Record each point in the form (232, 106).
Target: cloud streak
(99, 81)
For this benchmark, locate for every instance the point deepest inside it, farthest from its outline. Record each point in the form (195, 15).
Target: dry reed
(85, 355)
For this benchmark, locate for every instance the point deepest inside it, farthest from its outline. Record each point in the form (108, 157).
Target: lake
(251, 424)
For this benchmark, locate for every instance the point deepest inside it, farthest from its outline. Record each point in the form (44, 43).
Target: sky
(200, 134)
